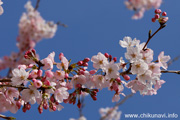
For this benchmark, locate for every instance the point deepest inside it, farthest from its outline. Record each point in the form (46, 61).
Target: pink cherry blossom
(19, 76)
(163, 60)
(30, 95)
(1, 9)
(114, 115)
(128, 42)
(60, 94)
(111, 70)
(100, 81)
(139, 67)
(99, 61)
(49, 61)
(133, 54)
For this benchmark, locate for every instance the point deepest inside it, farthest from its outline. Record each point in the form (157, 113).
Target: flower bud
(86, 60)
(158, 11)
(153, 19)
(157, 16)
(164, 14)
(106, 55)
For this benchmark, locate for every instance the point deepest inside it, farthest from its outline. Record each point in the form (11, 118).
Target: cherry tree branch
(151, 36)
(116, 105)
(17, 86)
(7, 118)
(37, 5)
(170, 71)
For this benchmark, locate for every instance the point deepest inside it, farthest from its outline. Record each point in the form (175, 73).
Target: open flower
(19, 76)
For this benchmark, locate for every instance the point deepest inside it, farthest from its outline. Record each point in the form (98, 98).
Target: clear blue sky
(97, 26)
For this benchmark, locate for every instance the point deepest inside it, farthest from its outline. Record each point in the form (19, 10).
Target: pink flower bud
(37, 83)
(79, 105)
(115, 59)
(24, 109)
(81, 72)
(22, 66)
(52, 99)
(163, 20)
(49, 73)
(40, 109)
(106, 55)
(18, 104)
(39, 73)
(164, 14)
(45, 105)
(47, 83)
(74, 94)
(85, 64)
(126, 77)
(78, 85)
(110, 57)
(54, 107)
(158, 11)
(118, 80)
(30, 66)
(80, 63)
(94, 98)
(33, 51)
(153, 19)
(66, 75)
(28, 106)
(86, 60)
(92, 72)
(157, 16)
(61, 55)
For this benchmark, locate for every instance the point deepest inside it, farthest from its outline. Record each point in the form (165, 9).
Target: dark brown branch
(151, 36)
(173, 60)
(7, 118)
(61, 24)
(167, 71)
(116, 105)
(17, 86)
(5, 80)
(37, 5)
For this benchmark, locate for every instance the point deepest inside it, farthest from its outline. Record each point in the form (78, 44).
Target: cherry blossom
(163, 60)
(114, 115)
(140, 6)
(19, 76)
(1, 9)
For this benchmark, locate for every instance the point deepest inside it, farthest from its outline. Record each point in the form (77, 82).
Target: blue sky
(97, 26)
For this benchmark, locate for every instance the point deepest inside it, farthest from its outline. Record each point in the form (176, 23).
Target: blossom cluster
(52, 87)
(147, 71)
(33, 28)
(140, 6)
(49, 83)
(110, 113)
(1, 9)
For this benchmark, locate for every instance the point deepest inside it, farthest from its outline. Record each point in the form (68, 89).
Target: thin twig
(17, 86)
(168, 71)
(116, 105)
(173, 60)
(7, 118)
(62, 24)
(37, 5)
(151, 36)
(82, 106)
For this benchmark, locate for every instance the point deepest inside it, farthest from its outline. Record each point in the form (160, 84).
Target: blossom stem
(7, 118)
(37, 5)
(22, 87)
(167, 71)
(151, 36)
